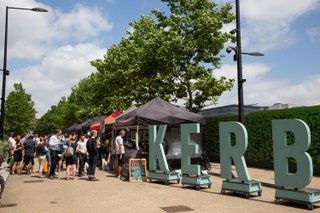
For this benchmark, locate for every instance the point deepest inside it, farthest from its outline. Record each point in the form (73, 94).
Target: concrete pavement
(28, 193)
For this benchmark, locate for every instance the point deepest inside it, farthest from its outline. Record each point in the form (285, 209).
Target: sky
(49, 53)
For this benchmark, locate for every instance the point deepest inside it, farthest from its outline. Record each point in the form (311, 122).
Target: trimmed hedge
(259, 128)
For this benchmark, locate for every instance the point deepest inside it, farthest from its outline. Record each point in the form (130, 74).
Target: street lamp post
(238, 57)
(239, 66)
(5, 71)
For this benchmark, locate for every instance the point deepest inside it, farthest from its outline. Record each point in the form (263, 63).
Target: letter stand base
(242, 187)
(164, 176)
(196, 181)
(307, 196)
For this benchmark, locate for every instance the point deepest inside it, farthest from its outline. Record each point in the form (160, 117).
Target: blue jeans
(48, 156)
(93, 159)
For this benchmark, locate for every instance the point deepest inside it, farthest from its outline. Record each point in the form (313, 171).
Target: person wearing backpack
(93, 155)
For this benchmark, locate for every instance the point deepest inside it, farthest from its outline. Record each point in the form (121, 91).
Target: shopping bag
(45, 167)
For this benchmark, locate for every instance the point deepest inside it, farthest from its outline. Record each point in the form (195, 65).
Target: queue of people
(80, 155)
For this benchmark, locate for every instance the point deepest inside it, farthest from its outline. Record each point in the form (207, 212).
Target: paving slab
(28, 193)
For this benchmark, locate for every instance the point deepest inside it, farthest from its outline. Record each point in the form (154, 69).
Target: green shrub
(259, 128)
(4, 146)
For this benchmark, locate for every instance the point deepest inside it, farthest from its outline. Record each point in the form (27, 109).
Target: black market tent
(72, 128)
(159, 112)
(84, 126)
(109, 126)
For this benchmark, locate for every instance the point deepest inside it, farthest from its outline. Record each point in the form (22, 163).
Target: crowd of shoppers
(86, 152)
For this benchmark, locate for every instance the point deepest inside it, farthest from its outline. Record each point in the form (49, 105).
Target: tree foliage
(19, 111)
(86, 101)
(170, 56)
(54, 119)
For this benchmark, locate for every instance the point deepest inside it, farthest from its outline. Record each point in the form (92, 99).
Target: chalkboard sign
(137, 169)
(130, 153)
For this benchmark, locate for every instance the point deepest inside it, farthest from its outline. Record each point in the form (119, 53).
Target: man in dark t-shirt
(29, 150)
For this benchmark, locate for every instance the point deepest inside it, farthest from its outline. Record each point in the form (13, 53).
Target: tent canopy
(73, 127)
(84, 126)
(133, 107)
(111, 117)
(158, 112)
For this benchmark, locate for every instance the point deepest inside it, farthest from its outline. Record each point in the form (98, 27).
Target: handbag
(69, 151)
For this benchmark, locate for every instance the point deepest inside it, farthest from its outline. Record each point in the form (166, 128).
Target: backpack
(89, 145)
(40, 150)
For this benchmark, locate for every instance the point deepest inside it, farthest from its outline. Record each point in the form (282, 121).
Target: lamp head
(233, 31)
(39, 9)
(229, 50)
(256, 54)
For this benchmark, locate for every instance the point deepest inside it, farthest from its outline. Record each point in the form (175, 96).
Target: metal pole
(239, 65)
(5, 72)
(4, 75)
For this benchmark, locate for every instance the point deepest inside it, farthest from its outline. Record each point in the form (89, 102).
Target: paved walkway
(28, 193)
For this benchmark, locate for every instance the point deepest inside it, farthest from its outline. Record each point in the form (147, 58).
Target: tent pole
(137, 138)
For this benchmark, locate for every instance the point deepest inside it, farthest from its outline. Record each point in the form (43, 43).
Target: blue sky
(50, 52)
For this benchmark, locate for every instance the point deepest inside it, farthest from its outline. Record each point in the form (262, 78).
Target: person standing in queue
(41, 151)
(29, 153)
(120, 152)
(72, 160)
(82, 153)
(54, 143)
(17, 154)
(93, 155)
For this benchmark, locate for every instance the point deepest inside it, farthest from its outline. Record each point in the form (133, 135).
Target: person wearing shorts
(120, 151)
(29, 152)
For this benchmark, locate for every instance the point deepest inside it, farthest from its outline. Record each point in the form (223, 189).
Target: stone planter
(2, 155)
(4, 148)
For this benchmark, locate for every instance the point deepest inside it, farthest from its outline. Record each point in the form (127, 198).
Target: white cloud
(59, 71)
(265, 91)
(80, 24)
(33, 34)
(274, 10)
(61, 44)
(267, 24)
(27, 30)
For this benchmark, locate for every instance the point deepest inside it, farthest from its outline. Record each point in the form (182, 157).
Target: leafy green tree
(91, 98)
(195, 40)
(55, 118)
(131, 73)
(87, 100)
(19, 112)
(172, 57)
